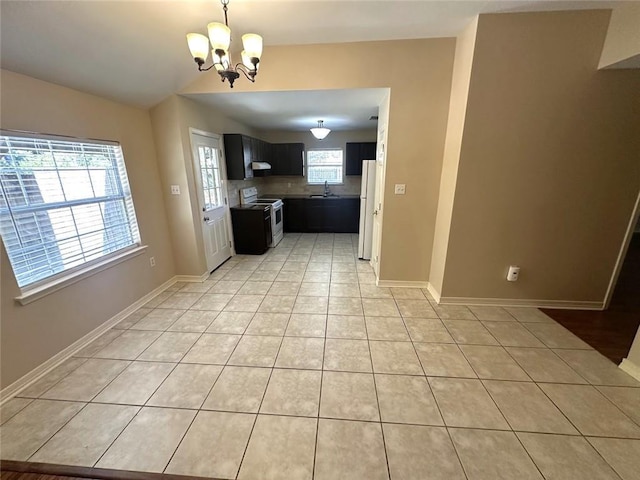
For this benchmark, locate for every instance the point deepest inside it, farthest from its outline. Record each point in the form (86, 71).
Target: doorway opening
(612, 330)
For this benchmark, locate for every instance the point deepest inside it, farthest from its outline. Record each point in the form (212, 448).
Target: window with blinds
(64, 204)
(324, 166)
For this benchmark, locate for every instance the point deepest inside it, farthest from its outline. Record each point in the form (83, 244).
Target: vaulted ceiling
(135, 51)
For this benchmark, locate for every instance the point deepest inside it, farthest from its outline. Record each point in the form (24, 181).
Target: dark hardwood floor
(611, 331)
(18, 470)
(34, 476)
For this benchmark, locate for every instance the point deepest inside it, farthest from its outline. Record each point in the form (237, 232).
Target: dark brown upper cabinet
(238, 151)
(287, 159)
(356, 152)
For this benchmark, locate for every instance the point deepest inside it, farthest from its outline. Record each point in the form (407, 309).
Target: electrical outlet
(400, 189)
(175, 189)
(152, 261)
(513, 273)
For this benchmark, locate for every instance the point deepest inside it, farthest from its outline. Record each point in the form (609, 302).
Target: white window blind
(64, 204)
(325, 165)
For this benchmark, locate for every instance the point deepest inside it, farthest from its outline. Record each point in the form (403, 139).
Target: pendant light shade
(252, 44)
(198, 45)
(320, 132)
(219, 35)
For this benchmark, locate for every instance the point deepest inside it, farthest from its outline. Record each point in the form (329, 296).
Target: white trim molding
(517, 302)
(191, 278)
(69, 278)
(631, 368)
(434, 293)
(41, 370)
(401, 284)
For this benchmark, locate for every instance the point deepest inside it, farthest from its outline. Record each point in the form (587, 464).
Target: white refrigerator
(367, 206)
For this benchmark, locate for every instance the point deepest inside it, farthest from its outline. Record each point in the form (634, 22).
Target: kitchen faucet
(326, 189)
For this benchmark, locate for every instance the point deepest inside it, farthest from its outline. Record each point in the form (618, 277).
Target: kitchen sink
(331, 195)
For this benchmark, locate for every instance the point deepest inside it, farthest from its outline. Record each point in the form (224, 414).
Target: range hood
(260, 166)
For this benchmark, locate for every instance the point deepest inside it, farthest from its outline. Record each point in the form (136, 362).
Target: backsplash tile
(289, 185)
(299, 186)
(234, 186)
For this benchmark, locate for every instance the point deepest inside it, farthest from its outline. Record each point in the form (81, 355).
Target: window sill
(48, 288)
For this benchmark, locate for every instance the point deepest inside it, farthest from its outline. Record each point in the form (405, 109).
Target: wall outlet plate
(513, 273)
(400, 189)
(175, 189)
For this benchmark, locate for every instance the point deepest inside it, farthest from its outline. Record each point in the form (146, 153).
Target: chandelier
(220, 38)
(320, 132)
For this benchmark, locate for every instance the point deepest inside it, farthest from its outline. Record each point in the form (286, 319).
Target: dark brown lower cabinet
(322, 215)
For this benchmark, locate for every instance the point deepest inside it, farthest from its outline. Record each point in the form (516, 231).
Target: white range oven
(250, 195)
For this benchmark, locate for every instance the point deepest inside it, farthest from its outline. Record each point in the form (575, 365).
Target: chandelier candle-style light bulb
(220, 42)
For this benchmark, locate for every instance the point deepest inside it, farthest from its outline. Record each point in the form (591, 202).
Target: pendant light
(320, 132)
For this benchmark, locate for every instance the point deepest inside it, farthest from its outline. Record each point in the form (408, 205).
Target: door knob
(206, 219)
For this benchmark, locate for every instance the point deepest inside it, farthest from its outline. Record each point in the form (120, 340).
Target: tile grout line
(144, 405)
(435, 400)
(140, 407)
(116, 437)
(39, 397)
(465, 355)
(58, 430)
(246, 448)
(324, 348)
(375, 389)
(31, 400)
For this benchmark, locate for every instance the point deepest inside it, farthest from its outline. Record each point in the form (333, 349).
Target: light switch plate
(400, 189)
(175, 189)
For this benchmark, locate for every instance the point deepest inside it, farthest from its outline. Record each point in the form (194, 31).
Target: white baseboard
(401, 284)
(631, 368)
(514, 302)
(434, 293)
(191, 278)
(23, 382)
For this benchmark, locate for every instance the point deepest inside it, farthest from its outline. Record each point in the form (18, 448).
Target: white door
(211, 178)
(379, 199)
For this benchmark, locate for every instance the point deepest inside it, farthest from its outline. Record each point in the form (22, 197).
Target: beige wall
(465, 44)
(33, 333)
(549, 166)
(298, 185)
(171, 121)
(622, 45)
(418, 72)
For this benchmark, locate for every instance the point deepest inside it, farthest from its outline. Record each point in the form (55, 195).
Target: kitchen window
(65, 206)
(326, 165)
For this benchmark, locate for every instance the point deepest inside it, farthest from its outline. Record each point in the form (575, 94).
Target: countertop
(248, 206)
(302, 195)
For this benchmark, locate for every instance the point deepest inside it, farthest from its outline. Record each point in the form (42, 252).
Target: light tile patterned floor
(294, 365)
